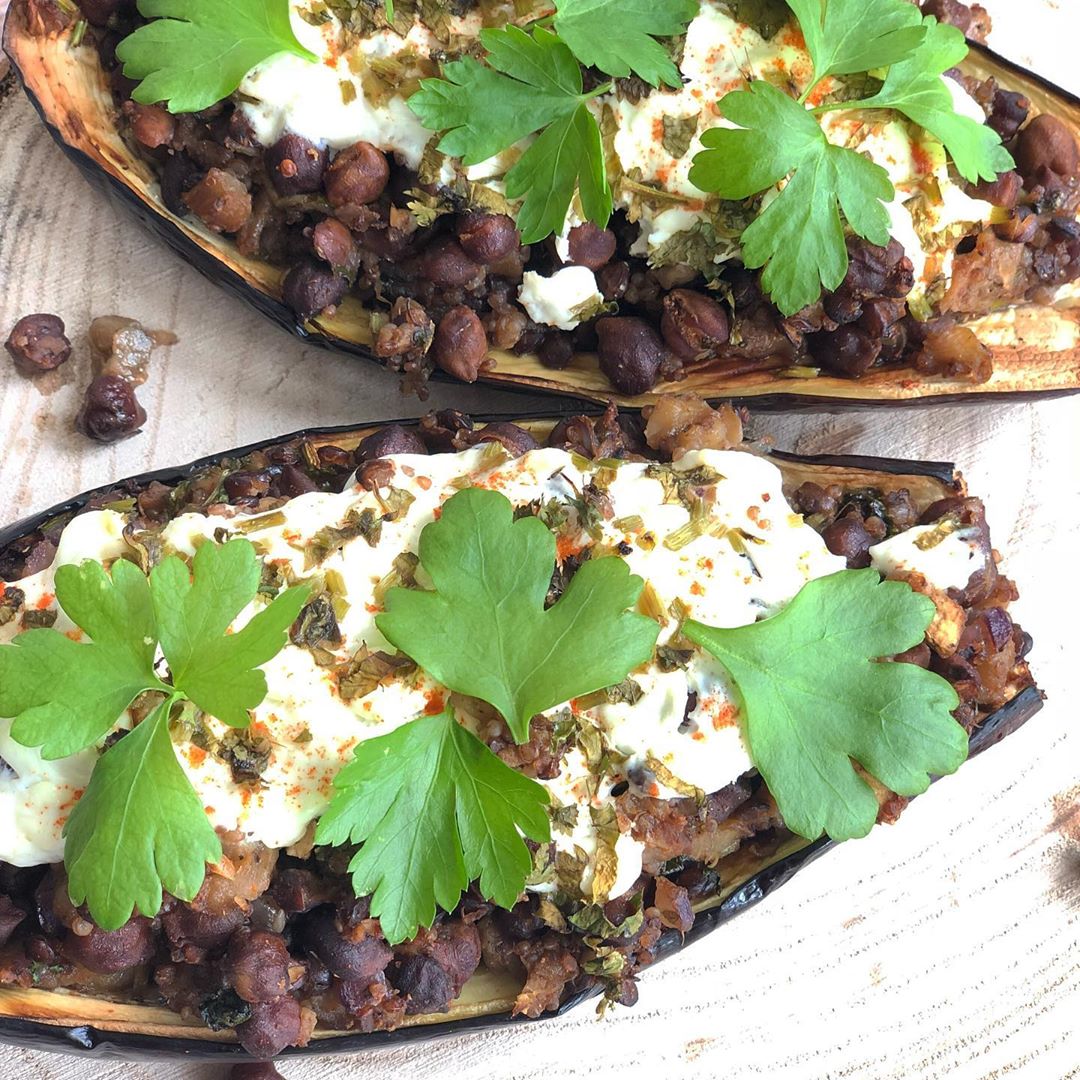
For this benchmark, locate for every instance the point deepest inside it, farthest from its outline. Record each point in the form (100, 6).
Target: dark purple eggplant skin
(91, 1041)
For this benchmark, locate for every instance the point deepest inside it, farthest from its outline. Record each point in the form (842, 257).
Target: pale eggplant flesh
(92, 1025)
(1039, 353)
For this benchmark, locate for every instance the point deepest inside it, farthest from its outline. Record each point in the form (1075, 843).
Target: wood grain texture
(947, 946)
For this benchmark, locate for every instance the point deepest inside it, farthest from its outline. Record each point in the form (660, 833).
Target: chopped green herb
(365, 523)
(679, 132)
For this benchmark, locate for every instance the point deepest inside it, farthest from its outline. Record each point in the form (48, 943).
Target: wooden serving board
(946, 946)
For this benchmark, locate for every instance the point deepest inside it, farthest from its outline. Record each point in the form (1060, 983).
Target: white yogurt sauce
(561, 299)
(947, 564)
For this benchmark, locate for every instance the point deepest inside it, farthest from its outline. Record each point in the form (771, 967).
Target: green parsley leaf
(848, 36)
(799, 237)
(915, 87)
(483, 631)
(139, 825)
(533, 81)
(568, 155)
(66, 696)
(619, 36)
(194, 53)
(219, 671)
(814, 695)
(434, 809)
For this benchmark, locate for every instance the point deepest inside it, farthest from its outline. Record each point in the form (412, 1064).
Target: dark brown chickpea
(515, 440)
(246, 485)
(849, 351)
(556, 350)
(1048, 143)
(487, 238)
(590, 246)
(1004, 191)
(392, 439)
(460, 344)
(188, 930)
(1008, 113)
(152, 125)
(850, 538)
(110, 951)
(273, 1026)
(446, 264)
(693, 325)
(811, 498)
(332, 242)
(257, 965)
(362, 958)
(110, 410)
(220, 200)
(613, 279)
(630, 352)
(358, 175)
(290, 480)
(879, 315)
(334, 459)
(37, 343)
(951, 12)
(255, 1070)
(423, 983)
(309, 288)
(296, 166)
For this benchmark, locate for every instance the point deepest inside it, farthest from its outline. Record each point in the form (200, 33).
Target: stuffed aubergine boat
(600, 578)
(402, 199)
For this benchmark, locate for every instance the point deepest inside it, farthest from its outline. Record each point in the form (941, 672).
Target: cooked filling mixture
(717, 188)
(615, 810)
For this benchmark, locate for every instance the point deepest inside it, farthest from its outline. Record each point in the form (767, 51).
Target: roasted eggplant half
(410, 259)
(673, 832)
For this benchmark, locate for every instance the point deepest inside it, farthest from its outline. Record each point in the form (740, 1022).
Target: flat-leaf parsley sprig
(815, 696)
(194, 53)
(140, 825)
(798, 237)
(619, 36)
(530, 84)
(433, 807)
(915, 88)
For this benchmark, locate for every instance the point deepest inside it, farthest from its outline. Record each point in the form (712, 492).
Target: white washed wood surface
(946, 946)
